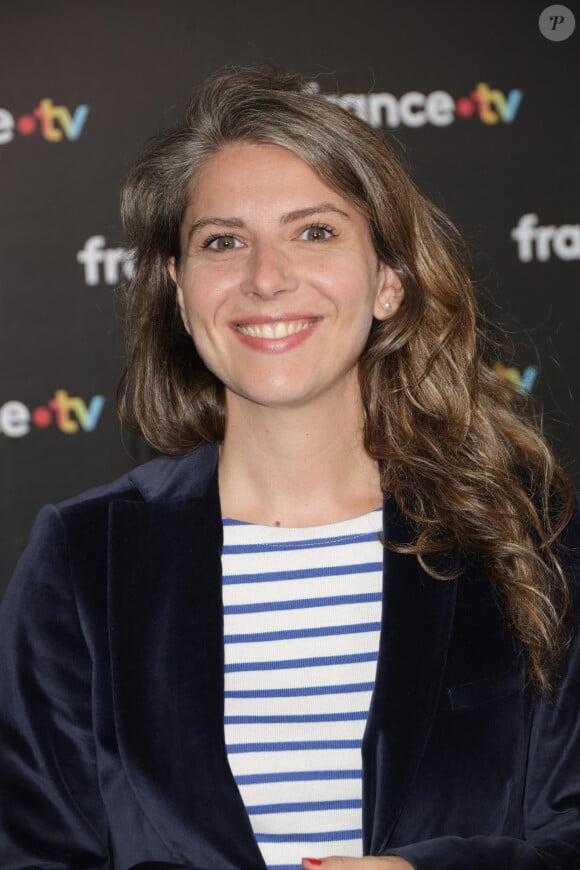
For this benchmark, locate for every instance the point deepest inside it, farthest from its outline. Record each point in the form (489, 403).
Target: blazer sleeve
(51, 813)
(551, 811)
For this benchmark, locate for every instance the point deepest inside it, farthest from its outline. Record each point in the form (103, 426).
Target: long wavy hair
(464, 464)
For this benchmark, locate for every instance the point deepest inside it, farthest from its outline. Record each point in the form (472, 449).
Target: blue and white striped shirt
(302, 610)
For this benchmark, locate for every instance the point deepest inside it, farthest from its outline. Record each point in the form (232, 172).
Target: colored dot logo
(464, 107)
(26, 125)
(42, 417)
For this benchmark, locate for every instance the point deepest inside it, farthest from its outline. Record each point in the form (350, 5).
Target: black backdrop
(482, 107)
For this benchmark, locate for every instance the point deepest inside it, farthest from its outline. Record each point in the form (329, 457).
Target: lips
(275, 330)
(275, 335)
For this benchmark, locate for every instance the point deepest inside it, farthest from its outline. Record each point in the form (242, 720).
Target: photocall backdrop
(481, 106)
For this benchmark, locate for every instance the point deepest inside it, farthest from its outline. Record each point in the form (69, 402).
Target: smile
(279, 329)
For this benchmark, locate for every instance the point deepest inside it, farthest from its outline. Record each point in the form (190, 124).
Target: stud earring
(386, 305)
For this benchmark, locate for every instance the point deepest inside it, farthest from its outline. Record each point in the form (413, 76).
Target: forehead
(253, 171)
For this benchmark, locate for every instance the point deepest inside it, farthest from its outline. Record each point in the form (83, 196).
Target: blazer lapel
(416, 626)
(166, 640)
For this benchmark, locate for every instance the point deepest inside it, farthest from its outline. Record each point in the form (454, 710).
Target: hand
(389, 862)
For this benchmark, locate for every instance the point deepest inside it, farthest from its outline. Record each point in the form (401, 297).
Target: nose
(269, 272)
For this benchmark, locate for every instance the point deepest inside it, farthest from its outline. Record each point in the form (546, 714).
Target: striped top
(302, 611)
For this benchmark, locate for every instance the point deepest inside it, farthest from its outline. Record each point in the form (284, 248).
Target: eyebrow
(287, 218)
(313, 209)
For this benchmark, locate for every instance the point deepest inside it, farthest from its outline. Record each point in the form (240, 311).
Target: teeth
(279, 329)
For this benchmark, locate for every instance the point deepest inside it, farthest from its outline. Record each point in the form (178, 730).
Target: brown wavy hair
(463, 463)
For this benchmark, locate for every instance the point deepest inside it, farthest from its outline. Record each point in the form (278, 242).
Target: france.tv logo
(53, 123)
(70, 414)
(439, 108)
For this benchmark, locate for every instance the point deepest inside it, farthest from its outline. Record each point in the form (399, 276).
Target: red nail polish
(316, 861)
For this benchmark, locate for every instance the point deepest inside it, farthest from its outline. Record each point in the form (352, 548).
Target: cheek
(196, 299)
(207, 348)
(206, 290)
(358, 290)
(199, 331)
(202, 323)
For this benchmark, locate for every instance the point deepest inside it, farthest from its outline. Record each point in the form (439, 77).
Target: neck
(296, 467)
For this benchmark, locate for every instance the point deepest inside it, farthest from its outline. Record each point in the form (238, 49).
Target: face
(278, 282)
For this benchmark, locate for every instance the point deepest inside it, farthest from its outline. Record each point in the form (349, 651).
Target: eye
(222, 243)
(316, 233)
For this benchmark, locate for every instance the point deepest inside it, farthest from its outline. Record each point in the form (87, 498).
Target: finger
(336, 863)
(333, 863)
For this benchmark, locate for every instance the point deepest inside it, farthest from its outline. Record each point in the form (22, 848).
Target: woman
(215, 662)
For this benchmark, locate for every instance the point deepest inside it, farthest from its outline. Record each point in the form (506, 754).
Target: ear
(172, 269)
(390, 293)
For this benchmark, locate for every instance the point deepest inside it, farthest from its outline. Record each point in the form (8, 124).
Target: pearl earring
(386, 305)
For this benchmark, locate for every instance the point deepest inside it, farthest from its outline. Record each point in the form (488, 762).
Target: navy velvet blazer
(111, 702)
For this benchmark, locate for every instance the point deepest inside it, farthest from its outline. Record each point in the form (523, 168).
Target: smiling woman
(335, 618)
(293, 269)
(279, 299)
